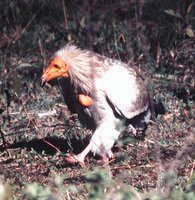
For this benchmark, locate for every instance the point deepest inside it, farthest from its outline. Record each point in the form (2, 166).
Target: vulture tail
(157, 108)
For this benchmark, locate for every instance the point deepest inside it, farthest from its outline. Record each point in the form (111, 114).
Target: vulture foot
(79, 158)
(73, 159)
(106, 159)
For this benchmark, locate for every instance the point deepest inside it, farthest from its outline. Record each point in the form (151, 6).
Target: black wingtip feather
(157, 107)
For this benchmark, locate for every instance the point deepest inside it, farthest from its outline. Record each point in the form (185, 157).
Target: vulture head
(64, 63)
(57, 68)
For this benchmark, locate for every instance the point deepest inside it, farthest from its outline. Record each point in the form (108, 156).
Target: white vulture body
(118, 93)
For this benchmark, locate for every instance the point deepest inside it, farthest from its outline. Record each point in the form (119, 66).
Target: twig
(192, 170)
(52, 145)
(110, 161)
(3, 138)
(121, 167)
(65, 14)
(158, 54)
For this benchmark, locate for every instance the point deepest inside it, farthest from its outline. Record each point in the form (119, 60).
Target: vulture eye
(56, 66)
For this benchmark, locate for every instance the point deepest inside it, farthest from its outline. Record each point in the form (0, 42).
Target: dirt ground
(37, 130)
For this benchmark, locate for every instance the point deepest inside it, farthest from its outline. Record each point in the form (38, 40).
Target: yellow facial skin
(56, 68)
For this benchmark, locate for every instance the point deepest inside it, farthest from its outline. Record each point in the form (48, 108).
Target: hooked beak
(44, 77)
(52, 73)
(55, 69)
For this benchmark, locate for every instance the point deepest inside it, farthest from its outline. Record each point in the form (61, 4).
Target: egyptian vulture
(108, 95)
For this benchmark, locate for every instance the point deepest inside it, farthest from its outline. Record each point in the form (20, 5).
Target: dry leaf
(189, 31)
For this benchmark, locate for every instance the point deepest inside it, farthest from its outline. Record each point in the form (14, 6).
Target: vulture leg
(101, 143)
(103, 140)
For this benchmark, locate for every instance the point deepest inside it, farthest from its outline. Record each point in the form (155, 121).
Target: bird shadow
(50, 145)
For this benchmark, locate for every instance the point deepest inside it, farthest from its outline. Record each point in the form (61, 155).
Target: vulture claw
(73, 159)
(110, 154)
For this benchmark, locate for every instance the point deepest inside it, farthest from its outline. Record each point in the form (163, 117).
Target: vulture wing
(74, 106)
(125, 92)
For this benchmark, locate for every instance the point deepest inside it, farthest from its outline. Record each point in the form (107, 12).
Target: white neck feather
(84, 66)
